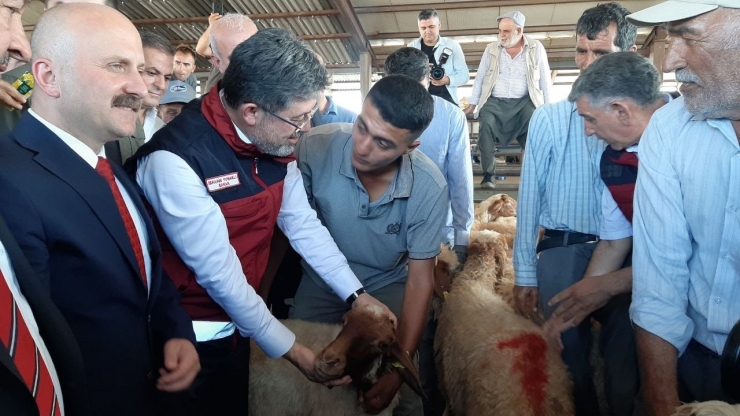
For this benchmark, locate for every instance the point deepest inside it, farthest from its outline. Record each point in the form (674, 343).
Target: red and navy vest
(246, 184)
(619, 173)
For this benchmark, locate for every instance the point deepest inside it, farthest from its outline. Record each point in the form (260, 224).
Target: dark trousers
(434, 404)
(699, 375)
(501, 120)
(222, 386)
(559, 268)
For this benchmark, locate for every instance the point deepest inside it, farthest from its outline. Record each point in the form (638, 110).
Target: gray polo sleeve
(426, 216)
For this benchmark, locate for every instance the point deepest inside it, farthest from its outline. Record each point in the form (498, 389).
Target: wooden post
(366, 72)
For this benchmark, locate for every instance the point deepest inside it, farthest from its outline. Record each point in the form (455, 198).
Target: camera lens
(437, 72)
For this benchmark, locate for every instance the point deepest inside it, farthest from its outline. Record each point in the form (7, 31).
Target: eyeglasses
(298, 127)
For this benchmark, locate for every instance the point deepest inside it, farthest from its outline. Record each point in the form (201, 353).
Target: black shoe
(487, 182)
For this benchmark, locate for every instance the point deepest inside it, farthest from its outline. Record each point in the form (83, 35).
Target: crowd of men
(138, 223)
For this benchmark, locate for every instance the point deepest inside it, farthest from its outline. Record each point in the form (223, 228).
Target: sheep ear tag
(406, 368)
(442, 279)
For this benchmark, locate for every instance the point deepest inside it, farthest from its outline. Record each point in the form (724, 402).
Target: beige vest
(533, 73)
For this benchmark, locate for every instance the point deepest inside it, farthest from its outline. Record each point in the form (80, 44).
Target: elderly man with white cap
(686, 263)
(513, 80)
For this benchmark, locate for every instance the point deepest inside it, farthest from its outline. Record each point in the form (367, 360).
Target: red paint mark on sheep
(531, 364)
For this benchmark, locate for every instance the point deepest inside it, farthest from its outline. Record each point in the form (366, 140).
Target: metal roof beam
(461, 5)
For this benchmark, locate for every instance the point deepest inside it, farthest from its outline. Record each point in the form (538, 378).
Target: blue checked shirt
(686, 259)
(560, 186)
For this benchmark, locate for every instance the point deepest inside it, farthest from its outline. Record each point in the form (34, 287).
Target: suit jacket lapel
(55, 156)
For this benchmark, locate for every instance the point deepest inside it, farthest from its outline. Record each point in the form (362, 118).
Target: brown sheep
(712, 408)
(490, 360)
(494, 207)
(364, 348)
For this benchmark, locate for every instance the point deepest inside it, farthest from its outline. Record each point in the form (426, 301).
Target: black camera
(438, 72)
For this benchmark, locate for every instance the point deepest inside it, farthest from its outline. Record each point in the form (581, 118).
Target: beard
(269, 143)
(705, 101)
(511, 42)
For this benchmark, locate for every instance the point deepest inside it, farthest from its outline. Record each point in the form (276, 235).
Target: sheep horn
(406, 368)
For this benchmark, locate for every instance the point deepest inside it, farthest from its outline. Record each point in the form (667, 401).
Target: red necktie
(19, 343)
(104, 169)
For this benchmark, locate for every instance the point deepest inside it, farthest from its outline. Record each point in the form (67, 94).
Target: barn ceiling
(341, 30)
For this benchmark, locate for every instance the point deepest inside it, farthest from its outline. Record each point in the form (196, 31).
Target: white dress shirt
(197, 229)
(152, 123)
(91, 158)
(25, 309)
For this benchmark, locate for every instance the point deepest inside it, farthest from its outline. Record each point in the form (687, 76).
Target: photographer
(449, 69)
(513, 80)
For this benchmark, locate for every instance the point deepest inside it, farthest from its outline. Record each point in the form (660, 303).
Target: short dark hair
(273, 69)
(151, 40)
(408, 61)
(619, 75)
(427, 14)
(183, 48)
(597, 19)
(403, 102)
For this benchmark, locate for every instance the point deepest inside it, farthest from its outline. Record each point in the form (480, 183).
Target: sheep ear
(407, 369)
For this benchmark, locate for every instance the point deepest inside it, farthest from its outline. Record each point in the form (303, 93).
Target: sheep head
(711, 408)
(366, 348)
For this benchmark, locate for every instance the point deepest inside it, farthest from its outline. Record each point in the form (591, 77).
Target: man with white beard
(686, 268)
(513, 80)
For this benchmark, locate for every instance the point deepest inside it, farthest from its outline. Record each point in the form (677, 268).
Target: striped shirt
(686, 262)
(560, 187)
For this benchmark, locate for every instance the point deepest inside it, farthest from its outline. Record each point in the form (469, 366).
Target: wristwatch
(354, 295)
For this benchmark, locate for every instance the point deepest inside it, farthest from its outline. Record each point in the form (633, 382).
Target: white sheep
(364, 348)
(490, 360)
(712, 408)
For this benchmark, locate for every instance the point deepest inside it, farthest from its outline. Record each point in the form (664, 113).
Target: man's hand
(181, 365)
(470, 109)
(381, 394)
(304, 359)
(553, 328)
(580, 300)
(365, 299)
(526, 301)
(462, 253)
(440, 82)
(10, 97)
(213, 17)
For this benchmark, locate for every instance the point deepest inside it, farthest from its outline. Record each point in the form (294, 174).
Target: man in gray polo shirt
(385, 205)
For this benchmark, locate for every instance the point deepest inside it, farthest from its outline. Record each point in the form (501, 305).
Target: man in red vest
(616, 96)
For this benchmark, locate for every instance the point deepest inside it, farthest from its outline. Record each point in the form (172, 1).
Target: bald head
(61, 28)
(226, 33)
(86, 63)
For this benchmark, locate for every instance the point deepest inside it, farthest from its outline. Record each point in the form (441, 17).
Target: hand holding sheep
(526, 302)
(382, 393)
(366, 299)
(304, 359)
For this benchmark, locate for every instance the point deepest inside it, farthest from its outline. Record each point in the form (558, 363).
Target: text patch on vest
(218, 183)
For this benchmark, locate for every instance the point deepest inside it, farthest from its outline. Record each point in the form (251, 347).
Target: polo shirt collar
(401, 185)
(331, 108)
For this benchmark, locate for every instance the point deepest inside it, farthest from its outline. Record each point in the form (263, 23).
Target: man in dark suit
(85, 233)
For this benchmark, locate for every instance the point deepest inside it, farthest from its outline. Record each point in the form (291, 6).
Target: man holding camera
(513, 79)
(449, 69)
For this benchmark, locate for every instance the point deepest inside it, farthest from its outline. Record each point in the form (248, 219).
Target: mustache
(126, 100)
(685, 75)
(5, 59)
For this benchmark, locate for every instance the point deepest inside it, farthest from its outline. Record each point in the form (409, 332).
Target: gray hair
(427, 14)
(230, 22)
(619, 75)
(273, 69)
(151, 40)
